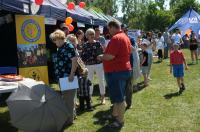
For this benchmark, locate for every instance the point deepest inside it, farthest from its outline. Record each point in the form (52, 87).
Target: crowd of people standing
(116, 62)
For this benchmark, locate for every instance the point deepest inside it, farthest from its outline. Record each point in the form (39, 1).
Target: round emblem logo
(31, 31)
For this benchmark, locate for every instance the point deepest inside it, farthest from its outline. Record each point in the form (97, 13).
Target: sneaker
(182, 86)
(128, 107)
(116, 124)
(180, 91)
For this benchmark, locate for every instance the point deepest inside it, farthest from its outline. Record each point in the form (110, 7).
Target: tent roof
(96, 19)
(50, 8)
(18, 6)
(59, 11)
(103, 16)
(55, 9)
(190, 20)
(100, 15)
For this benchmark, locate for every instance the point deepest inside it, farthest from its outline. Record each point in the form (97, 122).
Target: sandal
(108, 117)
(116, 124)
(103, 101)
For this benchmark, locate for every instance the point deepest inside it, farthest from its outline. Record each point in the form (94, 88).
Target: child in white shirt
(160, 46)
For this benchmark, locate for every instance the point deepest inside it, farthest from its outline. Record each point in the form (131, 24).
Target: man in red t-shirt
(117, 67)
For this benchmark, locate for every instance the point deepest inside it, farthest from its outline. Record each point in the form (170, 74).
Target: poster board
(31, 46)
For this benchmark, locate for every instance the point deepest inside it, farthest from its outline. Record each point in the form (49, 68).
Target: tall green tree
(173, 3)
(109, 7)
(134, 12)
(157, 18)
(183, 6)
(160, 4)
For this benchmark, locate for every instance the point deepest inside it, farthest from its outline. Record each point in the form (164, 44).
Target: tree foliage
(157, 18)
(134, 12)
(144, 14)
(108, 7)
(160, 3)
(151, 15)
(183, 6)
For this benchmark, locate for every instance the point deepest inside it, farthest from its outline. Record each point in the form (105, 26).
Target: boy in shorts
(177, 60)
(144, 62)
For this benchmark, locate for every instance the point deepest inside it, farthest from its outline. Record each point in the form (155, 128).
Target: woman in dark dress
(193, 48)
(91, 49)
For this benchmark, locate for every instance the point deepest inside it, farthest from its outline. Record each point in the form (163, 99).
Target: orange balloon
(71, 27)
(68, 20)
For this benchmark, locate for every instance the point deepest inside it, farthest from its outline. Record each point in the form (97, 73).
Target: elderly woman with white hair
(65, 66)
(91, 49)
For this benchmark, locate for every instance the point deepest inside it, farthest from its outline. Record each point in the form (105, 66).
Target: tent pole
(29, 7)
(190, 12)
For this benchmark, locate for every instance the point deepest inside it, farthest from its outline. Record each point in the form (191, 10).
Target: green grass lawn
(151, 111)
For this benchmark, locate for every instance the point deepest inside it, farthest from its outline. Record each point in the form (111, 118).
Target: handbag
(81, 69)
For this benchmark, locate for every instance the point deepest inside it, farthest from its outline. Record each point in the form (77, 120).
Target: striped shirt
(84, 86)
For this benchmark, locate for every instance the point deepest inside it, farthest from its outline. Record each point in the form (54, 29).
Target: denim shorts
(145, 69)
(178, 70)
(116, 82)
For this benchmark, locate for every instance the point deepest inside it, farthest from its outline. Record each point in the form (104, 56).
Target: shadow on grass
(157, 62)
(139, 87)
(171, 95)
(3, 98)
(191, 64)
(100, 120)
(5, 125)
(80, 112)
(99, 117)
(107, 129)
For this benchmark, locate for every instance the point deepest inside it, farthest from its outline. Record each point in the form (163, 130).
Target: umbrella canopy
(35, 107)
(189, 21)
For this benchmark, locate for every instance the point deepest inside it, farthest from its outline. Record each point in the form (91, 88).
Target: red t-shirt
(177, 57)
(120, 47)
